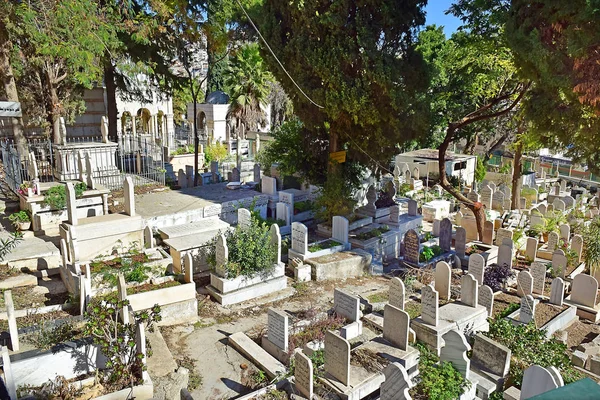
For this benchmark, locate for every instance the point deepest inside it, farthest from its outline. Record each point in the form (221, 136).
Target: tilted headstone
(584, 290)
(396, 293)
(443, 274)
(396, 384)
(577, 247)
(455, 352)
(538, 273)
(460, 241)
(303, 375)
(446, 235)
(276, 242)
(477, 267)
(531, 248)
(299, 238)
(469, 290)
(396, 323)
(537, 380)
(339, 229)
(527, 310)
(557, 291)
(552, 241)
(221, 256)
(486, 298)
(488, 232)
(278, 328)
(244, 218)
(411, 247)
(524, 283)
(337, 357)
(346, 305)
(429, 305)
(569, 201)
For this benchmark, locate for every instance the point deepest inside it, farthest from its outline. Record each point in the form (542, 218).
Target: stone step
(18, 281)
(249, 349)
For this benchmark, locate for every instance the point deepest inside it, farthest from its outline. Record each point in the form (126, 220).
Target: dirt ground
(581, 331)
(202, 344)
(502, 301)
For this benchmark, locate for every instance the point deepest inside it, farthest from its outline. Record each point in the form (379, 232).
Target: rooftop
(432, 154)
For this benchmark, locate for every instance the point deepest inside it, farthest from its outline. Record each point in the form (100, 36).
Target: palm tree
(248, 85)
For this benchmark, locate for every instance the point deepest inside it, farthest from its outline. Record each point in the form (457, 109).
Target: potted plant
(551, 222)
(20, 220)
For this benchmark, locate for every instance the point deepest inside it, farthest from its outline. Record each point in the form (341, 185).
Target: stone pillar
(9, 380)
(133, 127)
(12, 320)
(71, 204)
(128, 192)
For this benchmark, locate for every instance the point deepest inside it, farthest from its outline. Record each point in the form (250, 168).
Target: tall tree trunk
(196, 138)
(10, 87)
(471, 144)
(111, 99)
(516, 193)
(476, 208)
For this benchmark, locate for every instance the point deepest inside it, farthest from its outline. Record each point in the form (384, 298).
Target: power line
(277, 59)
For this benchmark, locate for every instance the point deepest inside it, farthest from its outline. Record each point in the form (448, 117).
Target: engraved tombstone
(337, 357)
(396, 293)
(429, 305)
(469, 290)
(443, 274)
(477, 267)
(411, 247)
(445, 235)
(486, 298)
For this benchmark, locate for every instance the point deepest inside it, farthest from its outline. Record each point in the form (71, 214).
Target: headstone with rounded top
(455, 352)
(486, 298)
(396, 384)
(442, 278)
(477, 267)
(527, 310)
(557, 291)
(460, 241)
(524, 283)
(396, 293)
(445, 235)
(538, 273)
(584, 290)
(429, 305)
(469, 290)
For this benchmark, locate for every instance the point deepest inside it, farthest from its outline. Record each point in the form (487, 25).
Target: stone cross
(455, 351)
(443, 274)
(396, 384)
(469, 290)
(396, 323)
(429, 305)
(396, 293)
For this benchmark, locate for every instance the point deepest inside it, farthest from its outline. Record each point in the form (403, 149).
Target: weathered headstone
(552, 241)
(446, 235)
(429, 305)
(276, 241)
(498, 201)
(565, 232)
(559, 264)
(504, 255)
(189, 175)
(244, 218)
(584, 290)
(346, 305)
(436, 227)
(458, 218)
(256, 171)
(412, 207)
(235, 175)
(299, 238)
(411, 247)
(339, 229)
(395, 213)
(148, 237)
(396, 384)
(557, 291)
(303, 375)
(577, 247)
(268, 185)
(486, 197)
(538, 273)
(503, 234)
(221, 256)
(278, 328)
(460, 241)
(537, 380)
(337, 357)
(396, 293)
(396, 324)
(455, 352)
(527, 310)
(531, 249)
(524, 283)
(473, 196)
(488, 232)
(469, 290)
(486, 298)
(559, 205)
(477, 267)
(443, 274)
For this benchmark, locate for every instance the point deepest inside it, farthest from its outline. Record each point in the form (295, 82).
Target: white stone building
(426, 160)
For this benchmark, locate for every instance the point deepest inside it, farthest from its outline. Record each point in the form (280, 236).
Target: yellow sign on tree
(338, 156)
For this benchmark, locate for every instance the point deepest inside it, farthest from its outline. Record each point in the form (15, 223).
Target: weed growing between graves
(512, 307)
(377, 232)
(496, 276)
(50, 335)
(274, 394)
(254, 378)
(427, 253)
(529, 346)
(148, 287)
(251, 252)
(314, 331)
(327, 244)
(437, 381)
(413, 309)
(59, 388)
(369, 360)
(380, 297)
(194, 378)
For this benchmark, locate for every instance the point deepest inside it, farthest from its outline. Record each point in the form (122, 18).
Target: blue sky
(435, 15)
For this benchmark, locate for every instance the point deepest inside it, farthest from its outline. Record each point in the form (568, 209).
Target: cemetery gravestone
(340, 229)
(337, 357)
(436, 227)
(557, 291)
(256, 171)
(559, 205)
(148, 237)
(527, 310)
(72, 205)
(577, 247)
(455, 351)
(445, 235)
(498, 201)
(486, 197)
(503, 234)
(395, 213)
(505, 256)
(552, 241)
(458, 217)
(538, 273)
(268, 185)
(299, 238)
(303, 375)
(282, 211)
(531, 248)
(276, 241)
(442, 280)
(486, 298)
(411, 247)
(181, 179)
(559, 264)
(565, 232)
(429, 305)
(537, 380)
(524, 284)
(395, 326)
(542, 208)
(221, 256)
(412, 207)
(585, 290)
(235, 175)
(244, 218)
(396, 293)
(477, 267)
(396, 384)
(488, 232)
(278, 329)
(473, 196)
(460, 241)
(469, 290)
(346, 305)
(189, 174)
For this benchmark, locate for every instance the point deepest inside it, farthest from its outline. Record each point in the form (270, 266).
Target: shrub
(214, 152)
(6, 245)
(19, 217)
(480, 170)
(495, 276)
(426, 254)
(56, 196)
(188, 149)
(335, 198)
(251, 252)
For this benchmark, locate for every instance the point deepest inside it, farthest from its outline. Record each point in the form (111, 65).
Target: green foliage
(215, 152)
(591, 245)
(56, 196)
(377, 232)
(529, 346)
(335, 197)
(327, 244)
(251, 252)
(50, 334)
(505, 169)
(188, 149)
(427, 253)
(512, 307)
(437, 381)
(124, 365)
(19, 217)
(480, 170)
(6, 245)
(403, 189)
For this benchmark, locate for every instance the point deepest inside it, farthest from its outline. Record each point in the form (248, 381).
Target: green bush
(188, 149)
(251, 252)
(214, 152)
(335, 197)
(56, 196)
(19, 217)
(480, 170)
